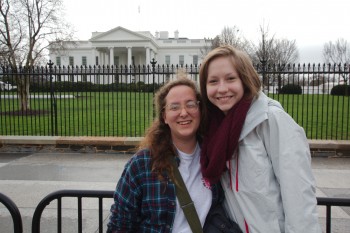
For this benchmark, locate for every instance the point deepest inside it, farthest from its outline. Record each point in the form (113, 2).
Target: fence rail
(79, 194)
(105, 194)
(15, 214)
(118, 100)
(329, 202)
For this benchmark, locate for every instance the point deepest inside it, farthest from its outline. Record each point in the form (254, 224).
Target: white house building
(120, 46)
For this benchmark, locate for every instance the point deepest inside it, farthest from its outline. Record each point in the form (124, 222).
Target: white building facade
(121, 46)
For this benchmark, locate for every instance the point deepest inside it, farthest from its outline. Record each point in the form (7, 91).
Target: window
(97, 79)
(83, 61)
(195, 59)
(71, 61)
(181, 41)
(116, 63)
(116, 60)
(167, 60)
(84, 78)
(58, 61)
(181, 60)
(116, 78)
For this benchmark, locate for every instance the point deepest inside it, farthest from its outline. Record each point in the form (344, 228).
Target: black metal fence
(79, 195)
(15, 214)
(118, 100)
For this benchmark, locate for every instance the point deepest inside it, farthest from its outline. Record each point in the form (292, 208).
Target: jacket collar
(257, 113)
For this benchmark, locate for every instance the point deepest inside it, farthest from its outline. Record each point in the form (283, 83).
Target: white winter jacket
(269, 186)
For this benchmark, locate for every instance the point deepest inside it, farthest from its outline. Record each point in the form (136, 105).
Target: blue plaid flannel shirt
(143, 203)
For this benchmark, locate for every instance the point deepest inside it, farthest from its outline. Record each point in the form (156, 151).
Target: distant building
(120, 46)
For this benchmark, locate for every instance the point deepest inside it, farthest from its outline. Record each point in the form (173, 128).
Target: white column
(93, 61)
(111, 56)
(129, 56)
(148, 56)
(106, 58)
(100, 58)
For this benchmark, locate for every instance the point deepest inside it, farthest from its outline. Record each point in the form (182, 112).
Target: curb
(129, 144)
(68, 144)
(332, 148)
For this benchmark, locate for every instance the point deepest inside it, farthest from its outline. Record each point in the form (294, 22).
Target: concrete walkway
(28, 177)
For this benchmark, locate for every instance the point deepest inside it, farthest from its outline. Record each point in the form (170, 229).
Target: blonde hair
(240, 61)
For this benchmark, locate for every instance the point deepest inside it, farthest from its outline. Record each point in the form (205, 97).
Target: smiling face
(224, 86)
(183, 122)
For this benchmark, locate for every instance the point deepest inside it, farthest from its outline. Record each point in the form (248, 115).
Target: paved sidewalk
(28, 177)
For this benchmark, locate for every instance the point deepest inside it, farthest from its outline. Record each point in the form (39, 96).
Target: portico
(121, 46)
(128, 55)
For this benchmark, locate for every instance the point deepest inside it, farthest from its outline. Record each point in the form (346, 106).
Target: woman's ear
(164, 117)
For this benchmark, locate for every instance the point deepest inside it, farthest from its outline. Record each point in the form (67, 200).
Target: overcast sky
(310, 22)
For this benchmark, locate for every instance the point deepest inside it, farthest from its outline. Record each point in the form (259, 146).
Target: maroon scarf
(221, 139)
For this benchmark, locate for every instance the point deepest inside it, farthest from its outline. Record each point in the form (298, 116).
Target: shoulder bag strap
(186, 202)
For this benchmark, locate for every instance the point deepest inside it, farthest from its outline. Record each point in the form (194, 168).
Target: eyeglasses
(191, 107)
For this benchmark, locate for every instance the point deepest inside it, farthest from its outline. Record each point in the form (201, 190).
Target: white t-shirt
(201, 196)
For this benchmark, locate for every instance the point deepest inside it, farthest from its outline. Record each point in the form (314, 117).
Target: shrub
(342, 90)
(291, 89)
(65, 86)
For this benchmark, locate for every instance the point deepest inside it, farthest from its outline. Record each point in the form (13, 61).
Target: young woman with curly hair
(145, 199)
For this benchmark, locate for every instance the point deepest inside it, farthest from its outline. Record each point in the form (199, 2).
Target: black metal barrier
(118, 100)
(101, 194)
(329, 202)
(16, 215)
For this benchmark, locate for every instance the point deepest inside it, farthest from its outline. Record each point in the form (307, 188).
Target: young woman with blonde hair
(258, 151)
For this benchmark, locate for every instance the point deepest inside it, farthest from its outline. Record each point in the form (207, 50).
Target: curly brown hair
(158, 136)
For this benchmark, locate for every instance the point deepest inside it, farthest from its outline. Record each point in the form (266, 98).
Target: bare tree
(209, 45)
(338, 52)
(274, 53)
(3, 53)
(262, 53)
(27, 29)
(228, 36)
(284, 52)
(265, 46)
(215, 42)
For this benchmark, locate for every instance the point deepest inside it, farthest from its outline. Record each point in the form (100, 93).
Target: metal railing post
(53, 103)
(153, 63)
(16, 215)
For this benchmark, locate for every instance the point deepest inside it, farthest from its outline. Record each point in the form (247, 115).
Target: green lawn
(322, 116)
(90, 114)
(130, 113)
